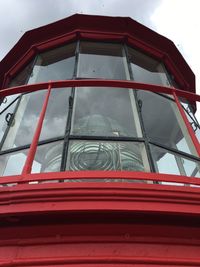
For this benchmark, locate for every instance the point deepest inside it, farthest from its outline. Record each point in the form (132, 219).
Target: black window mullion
(32, 67)
(67, 132)
(9, 104)
(175, 151)
(107, 138)
(139, 107)
(15, 149)
(193, 118)
(128, 62)
(76, 59)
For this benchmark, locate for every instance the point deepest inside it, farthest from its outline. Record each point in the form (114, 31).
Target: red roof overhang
(98, 28)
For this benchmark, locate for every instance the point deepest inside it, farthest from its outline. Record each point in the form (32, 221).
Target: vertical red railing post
(31, 153)
(188, 126)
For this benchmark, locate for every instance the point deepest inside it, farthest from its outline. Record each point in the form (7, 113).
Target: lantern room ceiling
(102, 28)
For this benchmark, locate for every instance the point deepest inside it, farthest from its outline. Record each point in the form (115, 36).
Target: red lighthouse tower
(99, 150)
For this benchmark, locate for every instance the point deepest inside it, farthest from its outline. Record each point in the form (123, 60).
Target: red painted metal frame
(146, 244)
(97, 174)
(31, 154)
(100, 29)
(107, 261)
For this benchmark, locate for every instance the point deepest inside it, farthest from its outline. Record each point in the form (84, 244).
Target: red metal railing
(26, 173)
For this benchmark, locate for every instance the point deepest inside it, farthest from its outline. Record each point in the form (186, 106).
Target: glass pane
(191, 117)
(25, 120)
(105, 112)
(172, 163)
(48, 157)
(192, 168)
(55, 119)
(22, 77)
(12, 163)
(7, 101)
(103, 61)
(146, 69)
(106, 156)
(163, 123)
(56, 64)
(6, 113)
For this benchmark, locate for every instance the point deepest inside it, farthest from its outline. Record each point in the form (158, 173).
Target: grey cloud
(19, 16)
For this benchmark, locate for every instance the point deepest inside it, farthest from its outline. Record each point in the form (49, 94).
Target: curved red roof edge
(117, 25)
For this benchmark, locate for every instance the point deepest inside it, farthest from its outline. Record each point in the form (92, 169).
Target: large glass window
(7, 109)
(191, 117)
(48, 157)
(146, 69)
(24, 122)
(12, 163)
(163, 123)
(105, 112)
(101, 155)
(22, 77)
(55, 64)
(96, 128)
(173, 163)
(55, 119)
(102, 60)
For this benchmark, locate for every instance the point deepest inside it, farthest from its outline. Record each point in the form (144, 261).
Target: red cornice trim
(104, 197)
(102, 29)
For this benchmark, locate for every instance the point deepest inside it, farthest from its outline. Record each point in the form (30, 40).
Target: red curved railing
(26, 175)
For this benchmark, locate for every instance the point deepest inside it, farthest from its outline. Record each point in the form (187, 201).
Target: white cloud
(176, 19)
(179, 21)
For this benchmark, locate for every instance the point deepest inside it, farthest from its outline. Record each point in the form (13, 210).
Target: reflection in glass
(172, 163)
(106, 156)
(146, 69)
(25, 120)
(191, 117)
(56, 64)
(12, 163)
(102, 60)
(54, 123)
(163, 123)
(48, 157)
(7, 108)
(22, 77)
(105, 112)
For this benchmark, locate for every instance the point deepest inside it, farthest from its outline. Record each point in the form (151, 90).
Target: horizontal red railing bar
(108, 259)
(129, 175)
(100, 83)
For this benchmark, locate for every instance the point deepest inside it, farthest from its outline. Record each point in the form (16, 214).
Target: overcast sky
(178, 20)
